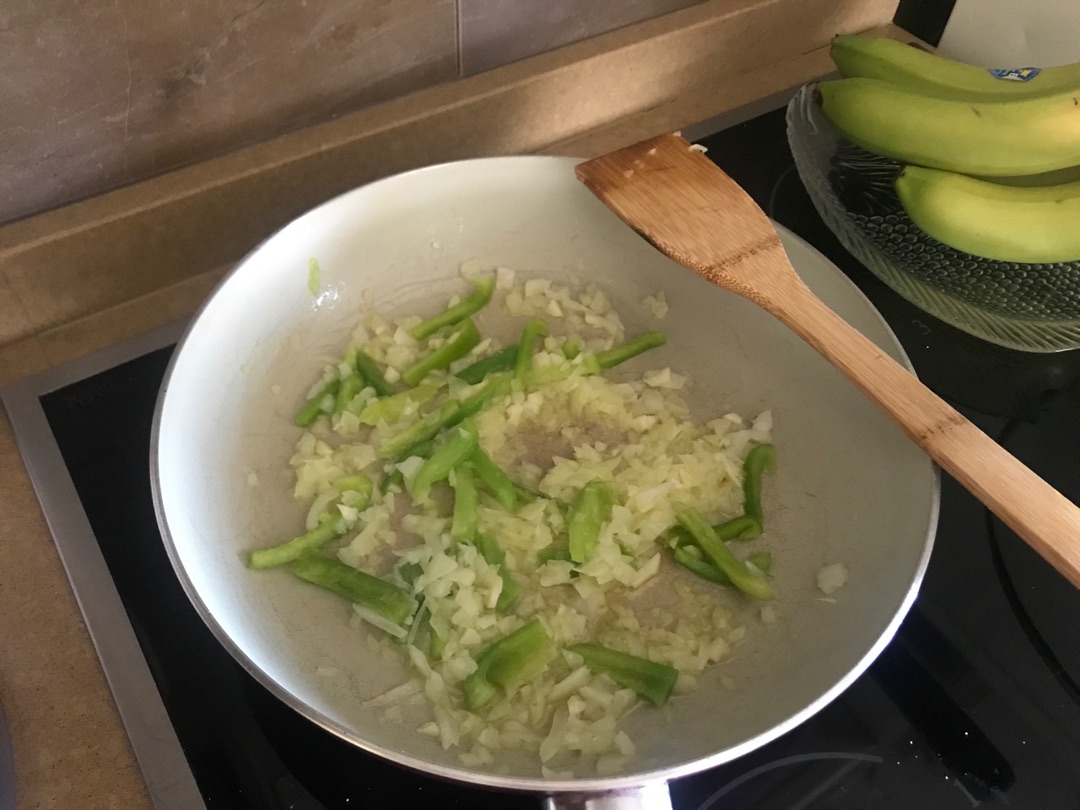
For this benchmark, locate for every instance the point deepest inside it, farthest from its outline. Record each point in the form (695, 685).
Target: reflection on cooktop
(1044, 599)
(870, 749)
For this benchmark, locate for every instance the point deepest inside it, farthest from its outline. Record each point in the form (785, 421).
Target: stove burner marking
(792, 760)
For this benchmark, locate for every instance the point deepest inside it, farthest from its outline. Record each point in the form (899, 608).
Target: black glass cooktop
(974, 704)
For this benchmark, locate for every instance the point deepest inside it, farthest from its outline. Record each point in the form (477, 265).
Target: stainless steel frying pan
(851, 487)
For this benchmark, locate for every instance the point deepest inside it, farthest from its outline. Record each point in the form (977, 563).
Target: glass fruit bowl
(1030, 307)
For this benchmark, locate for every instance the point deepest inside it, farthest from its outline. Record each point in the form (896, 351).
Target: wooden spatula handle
(1032, 508)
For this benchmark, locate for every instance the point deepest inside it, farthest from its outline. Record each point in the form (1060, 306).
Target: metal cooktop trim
(169, 779)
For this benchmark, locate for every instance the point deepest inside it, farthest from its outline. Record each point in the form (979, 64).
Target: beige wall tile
(495, 32)
(96, 94)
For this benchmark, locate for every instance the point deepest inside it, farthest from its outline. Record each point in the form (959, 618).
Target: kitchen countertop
(96, 273)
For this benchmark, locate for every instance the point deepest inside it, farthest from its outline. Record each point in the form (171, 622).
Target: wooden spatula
(692, 211)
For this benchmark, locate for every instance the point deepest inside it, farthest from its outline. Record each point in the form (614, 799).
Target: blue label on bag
(1015, 74)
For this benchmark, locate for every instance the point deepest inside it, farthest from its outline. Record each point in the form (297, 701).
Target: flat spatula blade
(691, 210)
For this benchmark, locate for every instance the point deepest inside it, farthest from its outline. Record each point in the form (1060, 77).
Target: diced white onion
(382, 623)
(831, 578)
(635, 433)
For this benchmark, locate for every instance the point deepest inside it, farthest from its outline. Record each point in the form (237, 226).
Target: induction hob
(975, 702)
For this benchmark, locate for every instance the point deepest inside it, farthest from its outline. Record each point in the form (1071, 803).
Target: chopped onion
(375, 619)
(399, 692)
(636, 435)
(831, 578)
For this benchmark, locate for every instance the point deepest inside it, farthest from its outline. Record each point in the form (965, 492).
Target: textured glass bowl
(1030, 307)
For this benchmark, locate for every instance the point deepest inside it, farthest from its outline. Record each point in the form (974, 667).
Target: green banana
(992, 138)
(893, 61)
(1007, 223)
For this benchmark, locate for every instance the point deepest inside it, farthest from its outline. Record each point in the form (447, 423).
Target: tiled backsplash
(97, 94)
(494, 32)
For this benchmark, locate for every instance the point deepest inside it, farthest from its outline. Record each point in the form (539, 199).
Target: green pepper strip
(326, 530)
(329, 526)
(459, 447)
(742, 527)
(509, 662)
(493, 554)
(372, 593)
(588, 513)
(322, 402)
(525, 495)
(369, 371)
(496, 481)
(463, 522)
(762, 561)
(683, 545)
(396, 476)
(649, 679)
(356, 483)
(572, 347)
(557, 553)
(390, 408)
(758, 460)
(410, 572)
(601, 361)
(349, 388)
(685, 557)
(502, 360)
(427, 640)
(720, 556)
(482, 289)
(425, 430)
(461, 341)
(449, 415)
(496, 385)
(596, 363)
(534, 329)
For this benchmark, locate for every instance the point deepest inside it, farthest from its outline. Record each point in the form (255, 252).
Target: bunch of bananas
(984, 151)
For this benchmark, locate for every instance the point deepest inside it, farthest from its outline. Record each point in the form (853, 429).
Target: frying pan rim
(475, 777)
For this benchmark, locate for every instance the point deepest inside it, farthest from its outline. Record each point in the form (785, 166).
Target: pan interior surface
(850, 487)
